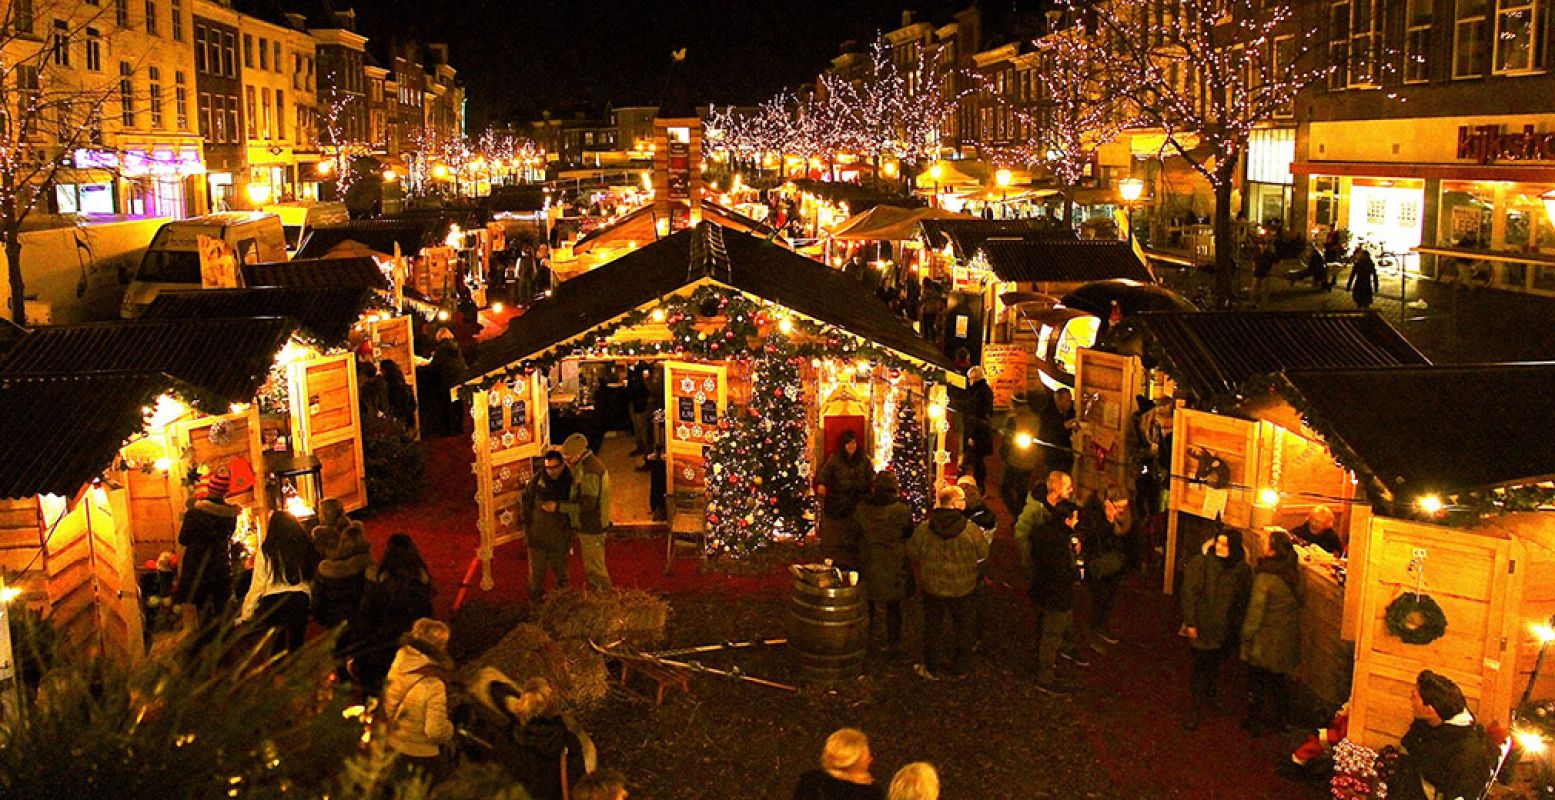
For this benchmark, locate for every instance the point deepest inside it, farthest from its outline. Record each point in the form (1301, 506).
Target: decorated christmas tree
(758, 470)
(911, 463)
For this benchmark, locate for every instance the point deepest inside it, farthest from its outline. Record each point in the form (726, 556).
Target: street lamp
(1131, 189)
(1002, 177)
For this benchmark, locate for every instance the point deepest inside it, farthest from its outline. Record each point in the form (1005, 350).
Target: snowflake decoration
(687, 385)
(506, 518)
(505, 473)
(494, 399)
(523, 436)
(701, 397)
(710, 386)
(689, 474)
(507, 439)
(696, 431)
(682, 432)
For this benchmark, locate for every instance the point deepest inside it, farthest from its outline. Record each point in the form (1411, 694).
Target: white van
(297, 218)
(173, 260)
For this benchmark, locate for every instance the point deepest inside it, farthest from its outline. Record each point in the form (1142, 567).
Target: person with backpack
(415, 697)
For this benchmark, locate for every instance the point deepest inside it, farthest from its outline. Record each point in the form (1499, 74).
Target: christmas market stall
(310, 405)
(731, 327)
(1452, 539)
(425, 256)
(110, 430)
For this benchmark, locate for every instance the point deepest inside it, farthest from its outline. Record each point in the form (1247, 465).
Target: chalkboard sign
(494, 419)
(709, 413)
(687, 411)
(520, 413)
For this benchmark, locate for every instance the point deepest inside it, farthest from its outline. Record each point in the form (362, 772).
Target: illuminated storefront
(157, 182)
(1459, 195)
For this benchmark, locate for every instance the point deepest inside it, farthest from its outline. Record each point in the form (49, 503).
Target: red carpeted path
(1129, 703)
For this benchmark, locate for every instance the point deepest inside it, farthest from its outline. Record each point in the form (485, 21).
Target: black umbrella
(1132, 297)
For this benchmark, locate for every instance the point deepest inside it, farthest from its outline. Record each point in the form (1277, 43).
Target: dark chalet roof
(314, 273)
(380, 236)
(966, 236)
(706, 253)
(1212, 355)
(62, 431)
(1434, 429)
(222, 361)
(323, 315)
(1063, 261)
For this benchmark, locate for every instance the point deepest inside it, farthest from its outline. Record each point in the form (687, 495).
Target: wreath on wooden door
(1415, 618)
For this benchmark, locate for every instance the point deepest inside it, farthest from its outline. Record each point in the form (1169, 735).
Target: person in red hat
(206, 535)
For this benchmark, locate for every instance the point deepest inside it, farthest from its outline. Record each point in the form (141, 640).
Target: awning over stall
(313, 273)
(888, 223)
(322, 315)
(1063, 261)
(708, 254)
(967, 235)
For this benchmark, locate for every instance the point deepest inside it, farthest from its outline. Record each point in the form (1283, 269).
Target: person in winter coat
(523, 730)
(280, 594)
(916, 781)
(548, 530)
(1038, 510)
(589, 507)
(1215, 589)
(979, 514)
(398, 592)
(1055, 578)
(415, 696)
(344, 556)
(1318, 529)
(1363, 282)
(1104, 526)
(401, 398)
(947, 548)
(601, 784)
(1271, 634)
(439, 415)
(1019, 452)
(1446, 754)
(885, 523)
(205, 580)
(1058, 427)
(638, 406)
(844, 772)
(843, 481)
(978, 419)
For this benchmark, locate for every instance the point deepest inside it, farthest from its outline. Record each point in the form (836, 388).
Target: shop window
(1544, 279)
(1468, 38)
(1516, 36)
(1417, 41)
(1512, 275)
(1507, 217)
(1325, 202)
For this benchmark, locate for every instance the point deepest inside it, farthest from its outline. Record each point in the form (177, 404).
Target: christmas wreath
(1415, 618)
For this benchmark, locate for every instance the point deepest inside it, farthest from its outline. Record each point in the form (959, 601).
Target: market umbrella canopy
(888, 223)
(1134, 297)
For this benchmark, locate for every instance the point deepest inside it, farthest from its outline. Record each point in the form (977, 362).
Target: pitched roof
(708, 252)
(966, 236)
(379, 236)
(1212, 355)
(1434, 429)
(64, 430)
(222, 360)
(317, 273)
(323, 315)
(1063, 260)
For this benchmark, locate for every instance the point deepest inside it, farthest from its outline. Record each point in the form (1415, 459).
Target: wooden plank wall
(326, 424)
(91, 580)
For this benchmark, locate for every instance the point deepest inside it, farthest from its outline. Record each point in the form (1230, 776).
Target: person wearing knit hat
(206, 535)
(590, 506)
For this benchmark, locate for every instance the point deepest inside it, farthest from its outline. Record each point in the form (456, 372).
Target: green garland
(1415, 618)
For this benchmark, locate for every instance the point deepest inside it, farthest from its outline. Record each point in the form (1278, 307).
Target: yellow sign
(1006, 366)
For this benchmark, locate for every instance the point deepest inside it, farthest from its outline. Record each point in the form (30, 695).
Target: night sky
(518, 57)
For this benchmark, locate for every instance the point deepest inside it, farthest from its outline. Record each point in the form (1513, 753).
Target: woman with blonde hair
(523, 729)
(415, 696)
(916, 781)
(844, 772)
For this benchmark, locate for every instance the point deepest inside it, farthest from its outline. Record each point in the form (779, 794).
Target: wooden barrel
(827, 631)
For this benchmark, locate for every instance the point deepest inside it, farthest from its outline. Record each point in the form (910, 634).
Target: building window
(178, 19)
(61, 43)
(1284, 55)
(204, 113)
(181, 101)
(21, 16)
(1517, 36)
(1417, 40)
(151, 17)
(94, 50)
(1468, 38)
(232, 116)
(1365, 36)
(252, 108)
(27, 83)
(199, 48)
(155, 96)
(275, 49)
(248, 51)
(121, 13)
(264, 121)
(280, 114)
(1339, 44)
(229, 55)
(126, 94)
(264, 53)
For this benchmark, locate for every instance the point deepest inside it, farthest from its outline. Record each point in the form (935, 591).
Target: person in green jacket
(1271, 634)
(589, 507)
(1038, 510)
(1215, 589)
(947, 547)
(885, 522)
